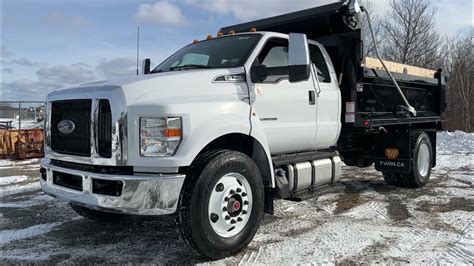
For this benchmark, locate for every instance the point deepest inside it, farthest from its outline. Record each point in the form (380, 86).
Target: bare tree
(377, 27)
(410, 33)
(459, 65)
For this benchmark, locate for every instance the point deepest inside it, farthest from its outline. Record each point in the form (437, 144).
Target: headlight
(160, 137)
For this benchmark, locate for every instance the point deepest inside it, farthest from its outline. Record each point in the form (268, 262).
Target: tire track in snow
(371, 210)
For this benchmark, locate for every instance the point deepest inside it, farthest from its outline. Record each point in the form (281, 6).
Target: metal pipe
(411, 109)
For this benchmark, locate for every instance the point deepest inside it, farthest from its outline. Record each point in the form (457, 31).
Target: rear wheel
(221, 204)
(422, 162)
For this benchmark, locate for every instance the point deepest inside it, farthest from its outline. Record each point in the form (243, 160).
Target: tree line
(407, 34)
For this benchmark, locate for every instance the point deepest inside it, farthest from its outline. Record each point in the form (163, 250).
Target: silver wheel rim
(230, 205)
(423, 160)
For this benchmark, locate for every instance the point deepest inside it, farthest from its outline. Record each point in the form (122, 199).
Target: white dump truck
(218, 131)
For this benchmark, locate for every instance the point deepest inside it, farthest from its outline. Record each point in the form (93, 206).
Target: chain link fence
(22, 114)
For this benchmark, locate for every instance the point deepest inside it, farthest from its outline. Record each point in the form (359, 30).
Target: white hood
(143, 89)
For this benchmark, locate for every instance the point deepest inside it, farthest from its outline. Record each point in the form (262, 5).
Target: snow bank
(455, 142)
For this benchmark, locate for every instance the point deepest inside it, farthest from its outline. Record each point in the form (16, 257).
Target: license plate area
(73, 182)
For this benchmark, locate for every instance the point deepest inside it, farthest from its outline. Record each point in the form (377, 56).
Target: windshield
(222, 52)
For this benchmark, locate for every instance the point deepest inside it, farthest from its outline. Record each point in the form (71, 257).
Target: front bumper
(141, 194)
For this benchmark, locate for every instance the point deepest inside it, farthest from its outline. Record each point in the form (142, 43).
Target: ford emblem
(66, 127)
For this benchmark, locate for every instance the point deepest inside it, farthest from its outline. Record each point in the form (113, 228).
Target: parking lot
(363, 220)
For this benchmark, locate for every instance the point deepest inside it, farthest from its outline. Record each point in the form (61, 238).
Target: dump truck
(267, 110)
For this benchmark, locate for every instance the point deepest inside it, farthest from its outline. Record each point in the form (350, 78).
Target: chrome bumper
(141, 194)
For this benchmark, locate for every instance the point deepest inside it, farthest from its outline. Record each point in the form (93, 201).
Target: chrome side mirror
(298, 57)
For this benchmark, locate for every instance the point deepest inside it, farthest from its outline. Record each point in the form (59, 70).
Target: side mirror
(298, 57)
(258, 73)
(146, 66)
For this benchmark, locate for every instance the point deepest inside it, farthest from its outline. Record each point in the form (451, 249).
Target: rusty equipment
(21, 144)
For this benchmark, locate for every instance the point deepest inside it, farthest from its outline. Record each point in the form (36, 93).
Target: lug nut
(244, 194)
(224, 209)
(239, 219)
(232, 221)
(220, 187)
(239, 190)
(214, 217)
(246, 203)
(226, 198)
(232, 191)
(244, 212)
(227, 217)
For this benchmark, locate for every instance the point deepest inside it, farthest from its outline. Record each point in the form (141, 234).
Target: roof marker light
(220, 34)
(253, 29)
(195, 41)
(209, 37)
(232, 32)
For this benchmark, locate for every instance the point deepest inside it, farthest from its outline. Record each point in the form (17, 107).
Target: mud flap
(393, 152)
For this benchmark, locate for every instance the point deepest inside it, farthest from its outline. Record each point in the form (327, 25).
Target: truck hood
(144, 89)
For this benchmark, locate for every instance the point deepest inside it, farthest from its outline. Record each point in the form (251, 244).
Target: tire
(421, 164)
(97, 216)
(223, 190)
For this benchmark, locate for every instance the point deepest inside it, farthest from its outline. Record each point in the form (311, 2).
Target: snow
(6, 180)
(368, 223)
(32, 231)
(25, 124)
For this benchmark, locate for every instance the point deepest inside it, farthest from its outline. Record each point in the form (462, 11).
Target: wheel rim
(423, 160)
(230, 205)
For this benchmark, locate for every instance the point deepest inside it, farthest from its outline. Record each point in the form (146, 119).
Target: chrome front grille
(92, 134)
(78, 142)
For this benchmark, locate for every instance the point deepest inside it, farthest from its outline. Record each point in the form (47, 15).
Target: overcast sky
(47, 44)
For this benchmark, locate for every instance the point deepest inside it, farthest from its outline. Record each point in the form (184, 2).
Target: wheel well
(246, 145)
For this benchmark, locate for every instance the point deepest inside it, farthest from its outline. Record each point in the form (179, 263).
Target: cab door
(328, 98)
(286, 110)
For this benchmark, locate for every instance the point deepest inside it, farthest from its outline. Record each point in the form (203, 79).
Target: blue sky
(47, 44)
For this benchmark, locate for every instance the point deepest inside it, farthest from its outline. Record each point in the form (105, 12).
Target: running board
(298, 157)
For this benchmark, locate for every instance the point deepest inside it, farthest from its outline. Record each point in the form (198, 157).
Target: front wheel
(221, 204)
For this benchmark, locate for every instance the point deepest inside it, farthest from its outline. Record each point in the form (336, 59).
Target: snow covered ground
(362, 221)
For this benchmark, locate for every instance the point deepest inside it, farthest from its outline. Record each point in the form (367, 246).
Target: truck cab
(225, 126)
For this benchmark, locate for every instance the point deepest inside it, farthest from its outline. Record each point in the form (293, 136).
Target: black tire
(416, 179)
(192, 219)
(97, 216)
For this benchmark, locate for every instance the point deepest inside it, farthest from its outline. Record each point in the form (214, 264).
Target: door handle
(312, 98)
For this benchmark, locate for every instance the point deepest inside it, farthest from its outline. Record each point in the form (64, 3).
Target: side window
(317, 59)
(274, 56)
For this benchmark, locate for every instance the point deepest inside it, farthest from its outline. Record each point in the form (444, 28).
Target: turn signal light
(173, 132)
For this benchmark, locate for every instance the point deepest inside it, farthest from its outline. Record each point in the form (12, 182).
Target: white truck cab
(226, 125)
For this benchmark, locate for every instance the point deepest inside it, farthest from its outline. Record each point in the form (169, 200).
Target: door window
(274, 56)
(318, 60)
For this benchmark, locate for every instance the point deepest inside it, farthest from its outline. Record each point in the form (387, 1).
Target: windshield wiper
(188, 66)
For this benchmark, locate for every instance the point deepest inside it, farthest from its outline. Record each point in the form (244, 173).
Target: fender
(203, 122)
